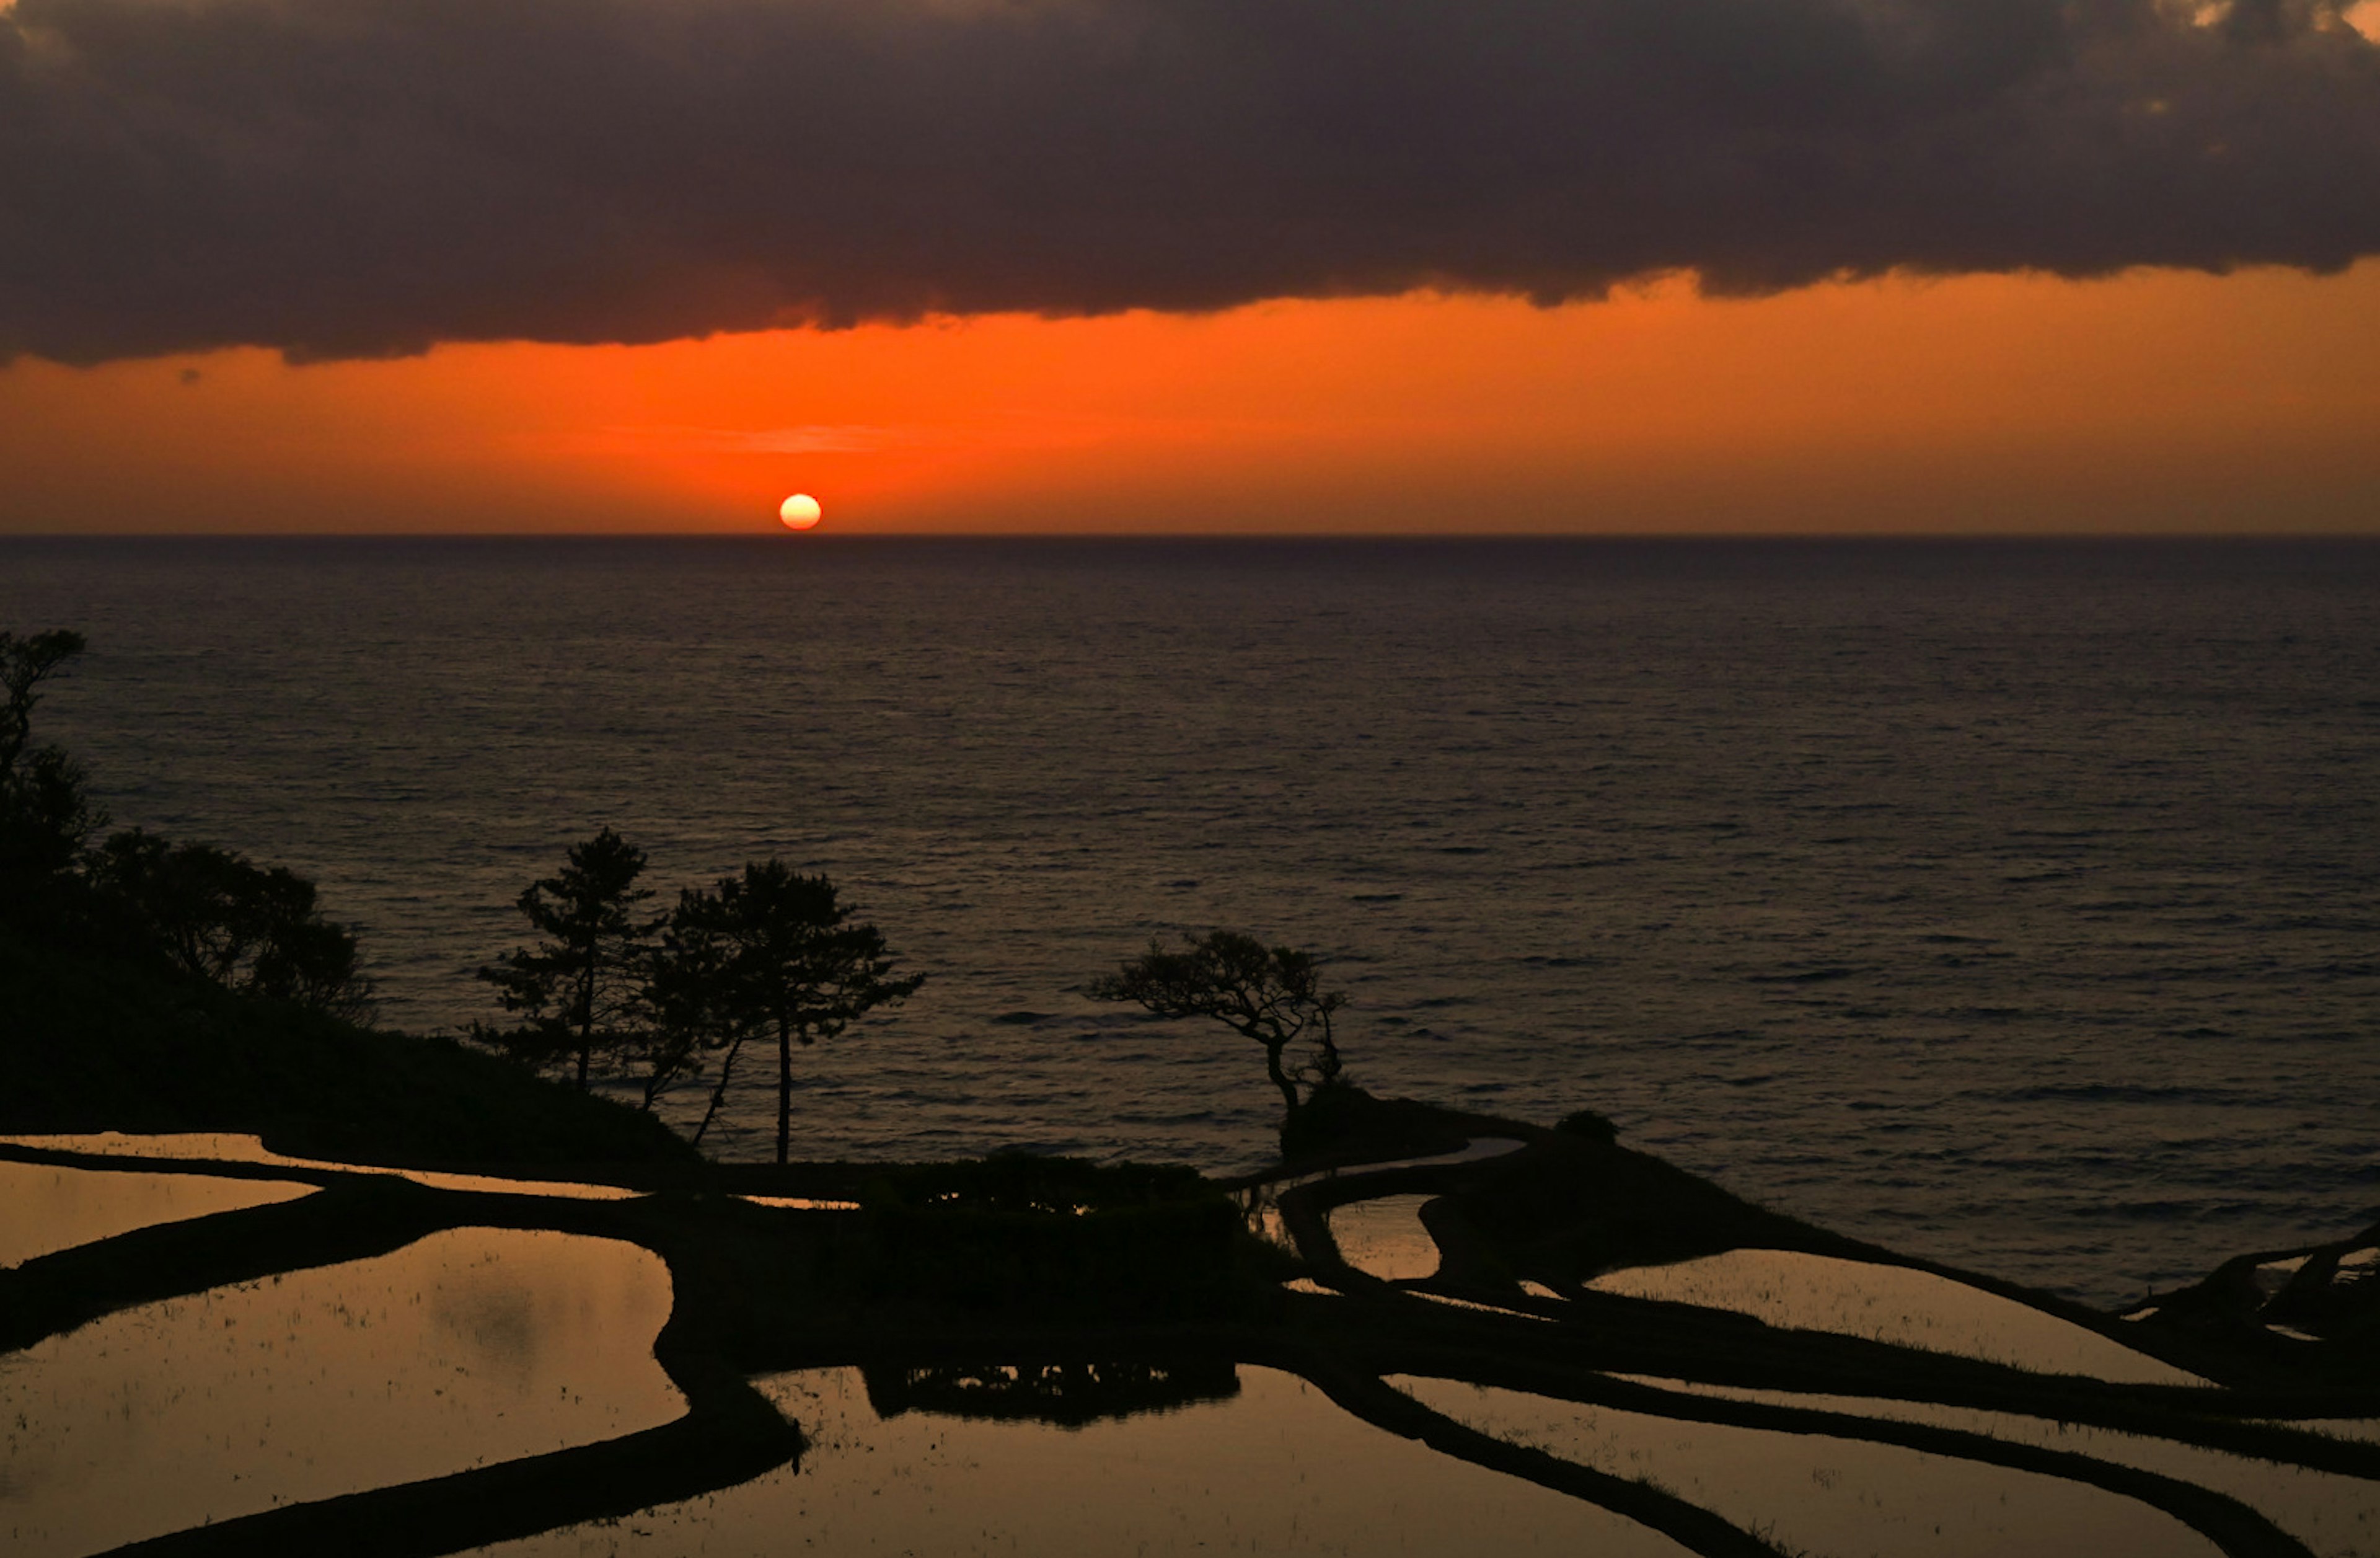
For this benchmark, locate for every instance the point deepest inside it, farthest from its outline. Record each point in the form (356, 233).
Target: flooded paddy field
(2334, 1517)
(467, 1347)
(1275, 1467)
(1817, 1493)
(1894, 1304)
(53, 1208)
(1422, 1379)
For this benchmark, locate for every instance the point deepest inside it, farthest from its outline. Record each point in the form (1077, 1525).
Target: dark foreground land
(1065, 1291)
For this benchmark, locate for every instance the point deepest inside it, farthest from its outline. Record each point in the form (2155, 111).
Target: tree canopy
(215, 915)
(579, 992)
(201, 911)
(1271, 995)
(45, 817)
(771, 953)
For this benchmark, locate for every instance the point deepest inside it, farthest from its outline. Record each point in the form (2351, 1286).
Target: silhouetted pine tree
(771, 953)
(1271, 995)
(579, 992)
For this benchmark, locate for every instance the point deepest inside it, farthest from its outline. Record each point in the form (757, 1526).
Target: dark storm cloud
(357, 176)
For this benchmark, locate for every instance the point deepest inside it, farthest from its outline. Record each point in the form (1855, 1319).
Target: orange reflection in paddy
(2156, 401)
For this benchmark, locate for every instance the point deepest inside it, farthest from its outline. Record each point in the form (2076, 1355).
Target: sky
(1190, 266)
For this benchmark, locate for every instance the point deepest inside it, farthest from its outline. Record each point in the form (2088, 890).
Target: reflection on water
(1277, 1468)
(1823, 1494)
(468, 1347)
(1069, 1395)
(224, 1147)
(1384, 1236)
(53, 1208)
(1891, 1304)
(2336, 1516)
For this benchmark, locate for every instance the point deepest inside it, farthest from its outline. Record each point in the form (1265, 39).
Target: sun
(799, 512)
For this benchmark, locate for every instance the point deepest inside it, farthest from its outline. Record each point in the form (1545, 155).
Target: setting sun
(799, 512)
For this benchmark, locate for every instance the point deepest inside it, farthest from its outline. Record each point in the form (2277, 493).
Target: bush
(1589, 1126)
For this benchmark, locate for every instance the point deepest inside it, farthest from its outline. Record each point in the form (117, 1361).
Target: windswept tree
(215, 915)
(770, 954)
(578, 991)
(1272, 995)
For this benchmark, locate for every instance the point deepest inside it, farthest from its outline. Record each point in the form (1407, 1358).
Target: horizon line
(813, 538)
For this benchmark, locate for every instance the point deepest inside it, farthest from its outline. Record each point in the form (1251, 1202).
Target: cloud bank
(342, 178)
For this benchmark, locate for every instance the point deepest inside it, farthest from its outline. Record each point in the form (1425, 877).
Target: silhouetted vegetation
(45, 817)
(148, 985)
(198, 910)
(1045, 1237)
(769, 953)
(213, 915)
(580, 992)
(1271, 995)
(1588, 1125)
(95, 1042)
(1069, 1393)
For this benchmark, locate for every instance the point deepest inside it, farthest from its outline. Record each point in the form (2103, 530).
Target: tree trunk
(719, 1093)
(784, 1088)
(586, 1016)
(1281, 1079)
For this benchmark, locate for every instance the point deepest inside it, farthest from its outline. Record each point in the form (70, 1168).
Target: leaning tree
(1272, 995)
(769, 953)
(693, 1006)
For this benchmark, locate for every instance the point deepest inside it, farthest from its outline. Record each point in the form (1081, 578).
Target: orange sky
(2157, 402)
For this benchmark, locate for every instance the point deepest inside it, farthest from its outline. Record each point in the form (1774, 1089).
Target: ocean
(2014, 903)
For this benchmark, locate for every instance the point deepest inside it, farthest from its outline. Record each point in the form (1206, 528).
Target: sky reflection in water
(1277, 1468)
(2336, 1516)
(1891, 1304)
(467, 1347)
(1821, 1494)
(53, 1208)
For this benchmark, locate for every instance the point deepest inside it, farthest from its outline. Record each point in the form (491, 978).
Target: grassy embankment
(94, 1043)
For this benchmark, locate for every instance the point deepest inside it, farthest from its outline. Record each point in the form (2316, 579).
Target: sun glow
(2158, 400)
(799, 512)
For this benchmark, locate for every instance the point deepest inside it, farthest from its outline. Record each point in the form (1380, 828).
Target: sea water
(2013, 903)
